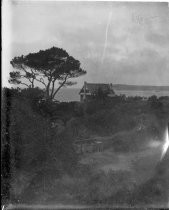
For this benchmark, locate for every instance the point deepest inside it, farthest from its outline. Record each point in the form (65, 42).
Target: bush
(115, 187)
(97, 188)
(31, 142)
(155, 103)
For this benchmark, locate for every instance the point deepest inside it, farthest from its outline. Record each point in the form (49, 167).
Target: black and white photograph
(85, 105)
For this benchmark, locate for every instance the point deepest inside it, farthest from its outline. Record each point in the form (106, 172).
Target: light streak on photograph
(107, 29)
(166, 144)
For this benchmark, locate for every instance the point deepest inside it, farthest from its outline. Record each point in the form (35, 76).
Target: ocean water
(72, 94)
(143, 93)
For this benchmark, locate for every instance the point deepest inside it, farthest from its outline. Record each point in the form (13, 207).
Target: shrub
(114, 187)
(32, 143)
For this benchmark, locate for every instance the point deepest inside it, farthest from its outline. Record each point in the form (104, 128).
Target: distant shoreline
(134, 87)
(140, 87)
(72, 94)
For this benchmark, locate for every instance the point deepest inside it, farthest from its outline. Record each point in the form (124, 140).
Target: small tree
(46, 67)
(155, 103)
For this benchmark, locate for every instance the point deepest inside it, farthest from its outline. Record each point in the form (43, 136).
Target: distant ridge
(132, 87)
(140, 87)
(72, 94)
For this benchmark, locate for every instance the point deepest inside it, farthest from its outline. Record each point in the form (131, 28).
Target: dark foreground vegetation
(40, 163)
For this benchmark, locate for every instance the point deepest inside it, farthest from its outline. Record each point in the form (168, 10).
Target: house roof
(94, 87)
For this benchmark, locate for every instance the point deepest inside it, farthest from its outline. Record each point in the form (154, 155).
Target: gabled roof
(94, 87)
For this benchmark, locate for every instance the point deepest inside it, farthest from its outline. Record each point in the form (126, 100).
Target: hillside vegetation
(41, 165)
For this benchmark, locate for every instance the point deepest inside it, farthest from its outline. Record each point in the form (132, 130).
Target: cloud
(158, 39)
(137, 51)
(145, 67)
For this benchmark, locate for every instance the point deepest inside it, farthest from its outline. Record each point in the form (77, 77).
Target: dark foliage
(155, 103)
(29, 143)
(46, 67)
(38, 154)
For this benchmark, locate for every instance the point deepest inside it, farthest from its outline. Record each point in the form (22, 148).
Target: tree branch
(60, 86)
(24, 84)
(41, 80)
(33, 76)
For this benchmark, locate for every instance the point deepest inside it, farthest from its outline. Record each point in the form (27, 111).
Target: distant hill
(140, 87)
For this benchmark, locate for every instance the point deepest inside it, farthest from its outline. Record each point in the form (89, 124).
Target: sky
(116, 42)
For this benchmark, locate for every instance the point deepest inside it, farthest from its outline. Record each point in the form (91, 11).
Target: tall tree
(46, 67)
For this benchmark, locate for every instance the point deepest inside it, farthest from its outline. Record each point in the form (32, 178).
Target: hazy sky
(126, 43)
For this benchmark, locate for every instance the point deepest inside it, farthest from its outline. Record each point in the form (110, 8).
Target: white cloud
(136, 30)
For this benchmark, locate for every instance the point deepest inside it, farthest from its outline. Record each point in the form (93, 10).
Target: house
(90, 89)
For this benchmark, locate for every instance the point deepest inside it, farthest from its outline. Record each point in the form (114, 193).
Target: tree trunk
(59, 87)
(32, 83)
(47, 91)
(53, 87)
